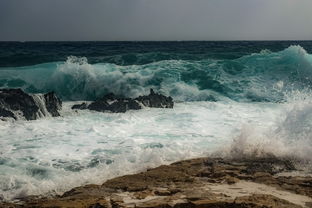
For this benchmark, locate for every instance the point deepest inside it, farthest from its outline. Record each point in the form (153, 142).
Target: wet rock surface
(156, 100)
(15, 103)
(115, 104)
(53, 103)
(198, 183)
(81, 106)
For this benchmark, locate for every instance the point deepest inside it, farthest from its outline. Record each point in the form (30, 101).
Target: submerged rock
(115, 104)
(15, 103)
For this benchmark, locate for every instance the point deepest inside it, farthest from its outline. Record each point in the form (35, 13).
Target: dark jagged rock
(115, 104)
(15, 100)
(155, 100)
(81, 106)
(15, 103)
(53, 103)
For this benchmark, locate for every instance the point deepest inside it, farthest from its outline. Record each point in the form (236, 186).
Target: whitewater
(255, 105)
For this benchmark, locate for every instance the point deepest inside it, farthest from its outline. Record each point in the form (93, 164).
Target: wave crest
(264, 76)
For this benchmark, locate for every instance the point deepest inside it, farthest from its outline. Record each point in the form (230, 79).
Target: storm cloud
(27, 20)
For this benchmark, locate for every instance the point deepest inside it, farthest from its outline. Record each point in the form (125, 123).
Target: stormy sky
(27, 20)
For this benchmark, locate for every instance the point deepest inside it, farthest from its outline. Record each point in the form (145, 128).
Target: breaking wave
(288, 135)
(264, 76)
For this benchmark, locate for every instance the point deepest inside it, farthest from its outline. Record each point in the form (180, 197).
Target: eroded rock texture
(197, 183)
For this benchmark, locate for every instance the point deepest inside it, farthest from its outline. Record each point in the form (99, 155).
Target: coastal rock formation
(155, 100)
(16, 104)
(115, 104)
(196, 183)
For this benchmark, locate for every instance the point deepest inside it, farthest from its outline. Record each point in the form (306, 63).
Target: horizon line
(257, 40)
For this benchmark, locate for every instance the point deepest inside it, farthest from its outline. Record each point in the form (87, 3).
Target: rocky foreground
(196, 183)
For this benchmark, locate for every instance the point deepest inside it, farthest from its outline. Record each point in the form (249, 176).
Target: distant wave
(263, 76)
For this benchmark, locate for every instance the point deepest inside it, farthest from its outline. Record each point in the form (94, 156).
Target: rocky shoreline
(194, 183)
(267, 182)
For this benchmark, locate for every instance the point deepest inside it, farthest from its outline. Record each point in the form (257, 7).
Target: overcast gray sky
(155, 19)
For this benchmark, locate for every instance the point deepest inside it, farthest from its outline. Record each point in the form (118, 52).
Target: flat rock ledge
(195, 183)
(16, 104)
(115, 104)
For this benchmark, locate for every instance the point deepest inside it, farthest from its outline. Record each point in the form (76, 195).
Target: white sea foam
(52, 155)
(290, 135)
(41, 103)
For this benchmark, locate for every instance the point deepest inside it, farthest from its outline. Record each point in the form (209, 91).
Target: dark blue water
(189, 71)
(128, 53)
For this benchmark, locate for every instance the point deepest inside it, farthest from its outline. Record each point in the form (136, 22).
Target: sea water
(232, 99)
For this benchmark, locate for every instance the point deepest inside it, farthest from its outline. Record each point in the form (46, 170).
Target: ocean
(232, 99)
